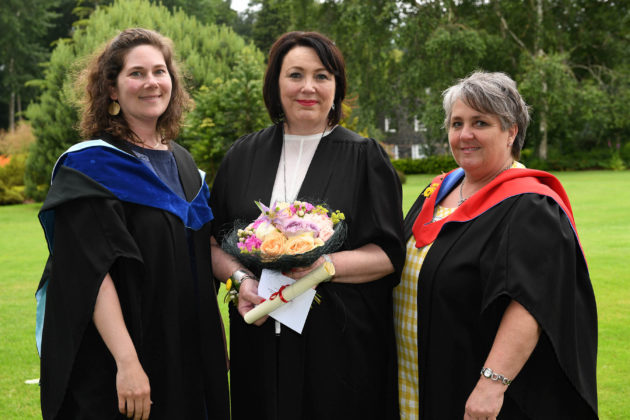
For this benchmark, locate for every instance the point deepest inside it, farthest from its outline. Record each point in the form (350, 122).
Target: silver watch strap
(490, 374)
(239, 275)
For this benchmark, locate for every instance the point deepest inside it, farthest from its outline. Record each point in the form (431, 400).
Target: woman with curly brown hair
(127, 312)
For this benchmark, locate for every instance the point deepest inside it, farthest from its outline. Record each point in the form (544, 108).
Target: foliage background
(569, 57)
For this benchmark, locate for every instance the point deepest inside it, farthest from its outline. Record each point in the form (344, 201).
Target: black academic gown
(522, 249)
(162, 273)
(343, 366)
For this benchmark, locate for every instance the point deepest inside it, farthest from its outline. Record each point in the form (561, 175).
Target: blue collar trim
(129, 180)
(449, 182)
(132, 181)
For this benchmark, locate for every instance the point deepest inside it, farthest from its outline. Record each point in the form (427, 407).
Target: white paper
(292, 314)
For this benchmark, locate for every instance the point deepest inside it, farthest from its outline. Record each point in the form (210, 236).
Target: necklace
(158, 143)
(461, 186)
(284, 159)
(156, 146)
(461, 194)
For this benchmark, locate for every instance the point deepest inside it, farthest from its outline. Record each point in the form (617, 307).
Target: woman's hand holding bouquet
(292, 238)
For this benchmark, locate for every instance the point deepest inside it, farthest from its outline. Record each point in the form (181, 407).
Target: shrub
(592, 159)
(12, 174)
(429, 165)
(225, 109)
(616, 163)
(9, 195)
(625, 153)
(18, 141)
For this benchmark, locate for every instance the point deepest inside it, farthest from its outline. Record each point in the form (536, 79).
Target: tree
(364, 31)
(438, 49)
(568, 57)
(216, 12)
(24, 26)
(225, 109)
(273, 19)
(207, 53)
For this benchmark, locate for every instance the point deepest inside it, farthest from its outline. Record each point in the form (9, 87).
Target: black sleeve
(90, 235)
(540, 264)
(219, 199)
(385, 206)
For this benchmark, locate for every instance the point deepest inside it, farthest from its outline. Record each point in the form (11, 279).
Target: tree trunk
(542, 148)
(539, 53)
(19, 107)
(450, 15)
(12, 112)
(539, 25)
(11, 100)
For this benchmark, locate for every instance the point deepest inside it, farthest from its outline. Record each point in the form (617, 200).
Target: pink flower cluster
(288, 229)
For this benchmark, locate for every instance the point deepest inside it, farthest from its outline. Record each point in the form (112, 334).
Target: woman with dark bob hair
(495, 313)
(128, 321)
(343, 363)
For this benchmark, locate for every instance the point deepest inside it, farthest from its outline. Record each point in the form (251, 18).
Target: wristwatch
(238, 276)
(488, 373)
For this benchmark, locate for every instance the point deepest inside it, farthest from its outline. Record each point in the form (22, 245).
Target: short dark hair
(491, 93)
(328, 53)
(101, 74)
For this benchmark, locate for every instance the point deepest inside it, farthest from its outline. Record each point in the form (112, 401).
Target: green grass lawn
(601, 203)
(22, 255)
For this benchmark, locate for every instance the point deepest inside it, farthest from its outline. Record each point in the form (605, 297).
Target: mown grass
(601, 203)
(22, 256)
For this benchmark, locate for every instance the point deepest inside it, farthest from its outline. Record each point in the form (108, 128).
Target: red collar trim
(516, 181)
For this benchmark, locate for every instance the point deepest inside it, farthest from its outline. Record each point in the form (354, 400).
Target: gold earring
(114, 108)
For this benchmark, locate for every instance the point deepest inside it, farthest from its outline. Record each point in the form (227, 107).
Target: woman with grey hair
(495, 313)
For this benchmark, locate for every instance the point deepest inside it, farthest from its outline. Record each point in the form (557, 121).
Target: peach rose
(300, 244)
(273, 245)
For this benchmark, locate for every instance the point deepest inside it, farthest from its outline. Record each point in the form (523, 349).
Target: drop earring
(114, 108)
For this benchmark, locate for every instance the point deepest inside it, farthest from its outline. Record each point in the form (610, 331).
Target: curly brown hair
(100, 76)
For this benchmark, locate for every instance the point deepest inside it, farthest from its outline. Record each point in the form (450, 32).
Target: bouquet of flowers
(286, 235)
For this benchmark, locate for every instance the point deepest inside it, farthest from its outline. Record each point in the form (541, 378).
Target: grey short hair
(491, 93)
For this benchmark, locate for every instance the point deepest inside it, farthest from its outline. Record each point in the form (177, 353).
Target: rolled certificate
(288, 293)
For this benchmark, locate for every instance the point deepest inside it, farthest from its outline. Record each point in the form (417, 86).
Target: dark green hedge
(428, 165)
(592, 159)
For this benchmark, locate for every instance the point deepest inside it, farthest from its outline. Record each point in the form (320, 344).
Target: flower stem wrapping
(319, 275)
